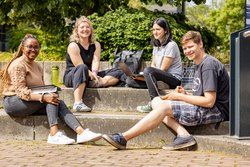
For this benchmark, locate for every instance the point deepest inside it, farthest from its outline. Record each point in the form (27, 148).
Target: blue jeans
(16, 107)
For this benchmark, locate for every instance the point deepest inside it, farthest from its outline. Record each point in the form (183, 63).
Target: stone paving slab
(16, 153)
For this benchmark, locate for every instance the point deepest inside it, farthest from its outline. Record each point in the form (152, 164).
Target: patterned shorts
(191, 115)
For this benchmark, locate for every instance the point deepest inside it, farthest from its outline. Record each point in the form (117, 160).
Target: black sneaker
(180, 142)
(116, 140)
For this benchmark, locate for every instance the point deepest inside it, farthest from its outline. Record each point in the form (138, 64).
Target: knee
(62, 105)
(82, 67)
(12, 114)
(130, 81)
(147, 71)
(81, 71)
(157, 102)
(20, 113)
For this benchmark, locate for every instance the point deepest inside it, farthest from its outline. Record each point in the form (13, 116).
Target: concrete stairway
(114, 110)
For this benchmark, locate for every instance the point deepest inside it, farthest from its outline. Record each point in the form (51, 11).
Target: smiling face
(193, 51)
(158, 32)
(84, 30)
(31, 48)
(193, 47)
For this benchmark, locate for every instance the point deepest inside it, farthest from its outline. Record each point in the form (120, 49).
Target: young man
(209, 102)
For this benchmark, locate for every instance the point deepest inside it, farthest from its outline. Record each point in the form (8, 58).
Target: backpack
(133, 59)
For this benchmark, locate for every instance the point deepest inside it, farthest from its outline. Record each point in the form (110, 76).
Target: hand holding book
(45, 89)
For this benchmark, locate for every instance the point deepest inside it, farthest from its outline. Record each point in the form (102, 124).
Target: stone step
(36, 127)
(114, 111)
(113, 98)
(109, 99)
(109, 122)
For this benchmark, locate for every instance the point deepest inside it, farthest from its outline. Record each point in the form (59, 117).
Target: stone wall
(47, 67)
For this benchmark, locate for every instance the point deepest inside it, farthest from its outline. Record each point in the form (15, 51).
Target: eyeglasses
(30, 47)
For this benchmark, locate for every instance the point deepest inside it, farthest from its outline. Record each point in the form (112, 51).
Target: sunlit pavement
(17, 153)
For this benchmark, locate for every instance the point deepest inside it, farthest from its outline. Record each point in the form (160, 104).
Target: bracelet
(41, 99)
(95, 71)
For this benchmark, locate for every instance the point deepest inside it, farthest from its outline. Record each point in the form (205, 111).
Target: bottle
(55, 75)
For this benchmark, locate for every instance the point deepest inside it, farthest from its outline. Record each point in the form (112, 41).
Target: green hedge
(53, 47)
(125, 28)
(131, 29)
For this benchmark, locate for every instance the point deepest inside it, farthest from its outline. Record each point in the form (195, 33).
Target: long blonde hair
(4, 76)
(74, 37)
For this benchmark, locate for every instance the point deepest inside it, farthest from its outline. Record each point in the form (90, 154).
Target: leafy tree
(227, 19)
(222, 17)
(173, 2)
(120, 28)
(52, 47)
(196, 15)
(125, 28)
(50, 14)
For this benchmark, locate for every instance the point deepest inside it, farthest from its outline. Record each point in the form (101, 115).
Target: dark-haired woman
(22, 73)
(166, 63)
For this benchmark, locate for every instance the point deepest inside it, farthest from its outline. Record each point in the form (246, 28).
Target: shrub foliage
(131, 29)
(125, 28)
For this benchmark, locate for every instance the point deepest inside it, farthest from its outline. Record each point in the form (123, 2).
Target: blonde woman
(83, 63)
(21, 73)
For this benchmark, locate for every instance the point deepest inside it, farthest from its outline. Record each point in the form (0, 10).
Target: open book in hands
(45, 89)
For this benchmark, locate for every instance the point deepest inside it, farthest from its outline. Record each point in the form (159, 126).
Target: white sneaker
(81, 107)
(87, 136)
(59, 138)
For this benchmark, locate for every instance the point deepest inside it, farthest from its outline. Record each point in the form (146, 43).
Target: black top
(211, 75)
(86, 55)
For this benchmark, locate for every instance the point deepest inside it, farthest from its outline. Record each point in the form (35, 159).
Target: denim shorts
(192, 115)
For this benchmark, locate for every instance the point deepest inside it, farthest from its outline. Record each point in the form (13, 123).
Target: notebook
(45, 89)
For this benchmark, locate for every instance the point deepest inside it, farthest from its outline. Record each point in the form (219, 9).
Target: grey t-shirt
(170, 50)
(211, 75)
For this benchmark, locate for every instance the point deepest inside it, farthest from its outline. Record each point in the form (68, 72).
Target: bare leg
(169, 119)
(149, 122)
(108, 81)
(79, 130)
(53, 130)
(162, 112)
(78, 93)
(173, 124)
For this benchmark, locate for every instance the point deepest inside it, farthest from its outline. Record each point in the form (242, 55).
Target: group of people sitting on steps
(208, 103)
